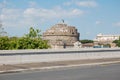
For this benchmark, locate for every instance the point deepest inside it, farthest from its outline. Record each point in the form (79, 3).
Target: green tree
(86, 41)
(117, 42)
(24, 43)
(13, 43)
(33, 33)
(32, 40)
(4, 43)
(30, 43)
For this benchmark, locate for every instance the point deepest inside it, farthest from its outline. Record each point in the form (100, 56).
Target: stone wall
(68, 35)
(29, 56)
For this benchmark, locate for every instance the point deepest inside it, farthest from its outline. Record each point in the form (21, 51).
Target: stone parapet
(61, 35)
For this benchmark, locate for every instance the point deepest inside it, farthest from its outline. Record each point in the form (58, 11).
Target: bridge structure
(52, 55)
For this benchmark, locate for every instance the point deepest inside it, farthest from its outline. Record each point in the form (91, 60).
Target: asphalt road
(99, 72)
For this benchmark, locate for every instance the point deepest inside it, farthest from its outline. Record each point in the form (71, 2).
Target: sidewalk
(58, 64)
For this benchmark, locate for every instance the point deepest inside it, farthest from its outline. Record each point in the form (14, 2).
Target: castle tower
(61, 36)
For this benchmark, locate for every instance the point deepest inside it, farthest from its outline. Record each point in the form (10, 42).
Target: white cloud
(10, 17)
(51, 13)
(30, 16)
(10, 14)
(117, 24)
(98, 22)
(86, 3)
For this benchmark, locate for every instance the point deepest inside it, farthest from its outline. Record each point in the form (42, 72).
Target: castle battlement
(61, 35)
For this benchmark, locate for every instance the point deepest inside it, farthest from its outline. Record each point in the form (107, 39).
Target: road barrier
(51, 55)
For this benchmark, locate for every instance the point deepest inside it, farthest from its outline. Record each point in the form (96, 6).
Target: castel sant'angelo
(61, 36)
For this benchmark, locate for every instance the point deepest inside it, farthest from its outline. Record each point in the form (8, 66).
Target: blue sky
(90, 17)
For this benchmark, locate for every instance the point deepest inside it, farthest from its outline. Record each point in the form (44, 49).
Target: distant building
(61, 36)
(105, 39)
(88, 45)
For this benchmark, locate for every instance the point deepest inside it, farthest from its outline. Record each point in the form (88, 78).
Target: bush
(117, 42)
(31, 40)
(86, 41)
(4, 43)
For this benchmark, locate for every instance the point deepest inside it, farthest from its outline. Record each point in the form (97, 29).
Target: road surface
(98, 72)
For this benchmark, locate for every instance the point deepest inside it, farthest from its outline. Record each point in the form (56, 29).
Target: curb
(54, 67)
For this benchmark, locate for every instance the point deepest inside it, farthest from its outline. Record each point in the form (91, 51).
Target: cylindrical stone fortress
(61, 36)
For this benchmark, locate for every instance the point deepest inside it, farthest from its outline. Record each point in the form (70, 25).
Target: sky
(90, 17)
